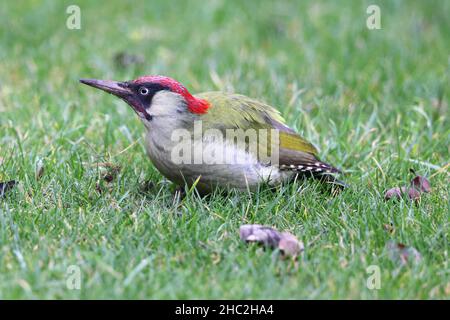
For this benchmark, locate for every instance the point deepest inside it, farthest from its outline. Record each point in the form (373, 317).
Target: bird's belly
(243, 173)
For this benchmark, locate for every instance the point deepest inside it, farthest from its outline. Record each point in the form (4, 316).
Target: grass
(374, 101)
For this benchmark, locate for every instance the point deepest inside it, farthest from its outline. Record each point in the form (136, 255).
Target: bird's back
(230, 111)
(236, 110)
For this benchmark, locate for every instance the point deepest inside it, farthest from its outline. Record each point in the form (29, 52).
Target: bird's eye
(143, 91)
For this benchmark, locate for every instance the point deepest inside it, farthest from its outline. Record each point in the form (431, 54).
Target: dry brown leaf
(418, 185)
(125, 60)
(397, 193)
(421, 184)
(413, 194)
(287, 243)
(403, 254)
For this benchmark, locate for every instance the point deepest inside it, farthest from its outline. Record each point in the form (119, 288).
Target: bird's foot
(179, 194)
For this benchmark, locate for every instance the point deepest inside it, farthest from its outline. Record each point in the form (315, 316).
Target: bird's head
(153, 97)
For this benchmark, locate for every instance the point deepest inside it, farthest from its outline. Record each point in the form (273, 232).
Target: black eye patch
(152, 89)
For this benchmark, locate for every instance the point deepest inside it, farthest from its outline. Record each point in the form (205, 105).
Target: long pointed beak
(121, 90)
(116, 88)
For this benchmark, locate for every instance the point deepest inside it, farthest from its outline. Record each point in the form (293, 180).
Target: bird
(216, 139)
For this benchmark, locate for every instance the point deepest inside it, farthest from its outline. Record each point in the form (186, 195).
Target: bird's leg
(334, 185)
(179, 193)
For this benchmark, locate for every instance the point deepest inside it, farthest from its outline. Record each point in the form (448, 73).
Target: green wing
(238, 111)
(233, 111)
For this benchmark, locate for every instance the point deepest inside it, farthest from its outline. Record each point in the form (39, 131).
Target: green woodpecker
(215, 139)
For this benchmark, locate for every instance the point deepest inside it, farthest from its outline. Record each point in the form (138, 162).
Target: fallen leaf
(418, 185)
(260, 234)
(6, 186)
(413, 194)
(421, 184)
(125, 60)
(399, 252)
(393, 193)
(397, 193)
(287, 243)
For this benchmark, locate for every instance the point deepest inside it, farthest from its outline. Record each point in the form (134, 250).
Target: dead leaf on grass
(421, 184)
(401, 253)
(418, 185)
(125, 60)
(398, 193)
(287, 243)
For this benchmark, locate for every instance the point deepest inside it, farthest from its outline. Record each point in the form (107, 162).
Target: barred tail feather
(315, 168)
(319, 170)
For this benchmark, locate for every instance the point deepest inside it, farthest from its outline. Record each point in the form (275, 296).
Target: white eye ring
(143, 91)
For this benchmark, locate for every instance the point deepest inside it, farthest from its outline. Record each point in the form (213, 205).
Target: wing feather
(234, 111)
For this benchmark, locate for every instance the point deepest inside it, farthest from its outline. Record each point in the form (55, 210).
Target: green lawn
(375, 102)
